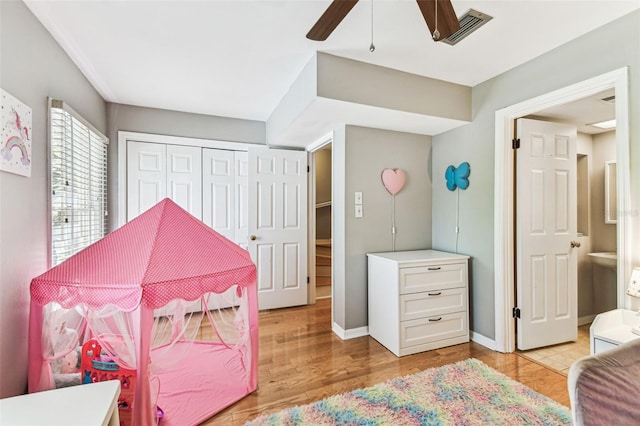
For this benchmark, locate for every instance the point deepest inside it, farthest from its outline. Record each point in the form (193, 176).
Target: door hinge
(515, 143)
(308, 280)
(308, 169)
(516, 313)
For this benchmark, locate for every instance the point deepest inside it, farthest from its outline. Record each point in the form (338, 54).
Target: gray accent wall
(358, 82)
(610, 47)
(32, 67)
(366, 95)
(360, 157)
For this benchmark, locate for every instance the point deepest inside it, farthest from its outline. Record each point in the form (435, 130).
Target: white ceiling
(238, 58)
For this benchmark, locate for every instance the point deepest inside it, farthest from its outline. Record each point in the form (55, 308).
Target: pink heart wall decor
(393, 180)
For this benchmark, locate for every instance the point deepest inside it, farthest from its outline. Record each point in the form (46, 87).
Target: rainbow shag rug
(465, 393)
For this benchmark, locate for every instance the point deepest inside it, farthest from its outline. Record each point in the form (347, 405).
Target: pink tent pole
(252, 293)
(143, 323)
(36, 362)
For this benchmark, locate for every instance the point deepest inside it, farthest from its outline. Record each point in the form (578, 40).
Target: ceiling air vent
(469, 22)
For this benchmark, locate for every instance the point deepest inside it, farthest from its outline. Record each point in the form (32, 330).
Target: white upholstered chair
(604, 389)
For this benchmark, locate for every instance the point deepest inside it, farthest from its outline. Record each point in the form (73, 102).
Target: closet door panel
(184, 177)
(242, 198)
(146, 176)
(218, 191)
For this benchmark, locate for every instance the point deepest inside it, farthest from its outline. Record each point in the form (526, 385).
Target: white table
(82, 405)
(613, 328)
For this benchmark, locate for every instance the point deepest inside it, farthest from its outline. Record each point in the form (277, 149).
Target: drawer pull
(435, 319)
(435, 294)
(436, 268)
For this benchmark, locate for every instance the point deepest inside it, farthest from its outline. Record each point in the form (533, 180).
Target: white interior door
(545, 231)
(146, 176)
(184, 177)
(278, 225)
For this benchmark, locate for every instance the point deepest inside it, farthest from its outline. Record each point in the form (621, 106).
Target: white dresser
(418, 300)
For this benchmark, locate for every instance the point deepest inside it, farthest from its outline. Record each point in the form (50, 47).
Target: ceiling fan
(438, 15)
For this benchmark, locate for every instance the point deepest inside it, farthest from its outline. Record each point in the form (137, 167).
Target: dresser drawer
(431, 303)
(440, 327)
(435, 277)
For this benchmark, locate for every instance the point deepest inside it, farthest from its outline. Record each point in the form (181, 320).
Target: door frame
(504, 233)
(312, 149)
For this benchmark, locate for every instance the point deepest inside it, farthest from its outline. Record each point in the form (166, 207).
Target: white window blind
(78, 182)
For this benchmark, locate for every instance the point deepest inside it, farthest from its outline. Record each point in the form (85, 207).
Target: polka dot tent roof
(163, 254)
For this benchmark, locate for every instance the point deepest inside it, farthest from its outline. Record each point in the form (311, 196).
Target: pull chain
(372, 48)
(436, 33)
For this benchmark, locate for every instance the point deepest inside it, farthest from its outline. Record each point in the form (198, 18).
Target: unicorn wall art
(15, 136)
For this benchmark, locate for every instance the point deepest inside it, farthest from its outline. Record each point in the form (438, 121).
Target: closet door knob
(253, 238)
(575, 244)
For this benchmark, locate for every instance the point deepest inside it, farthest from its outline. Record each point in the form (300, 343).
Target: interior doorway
(323, 212)
(593, 283)
(320, 220)
(505, 337)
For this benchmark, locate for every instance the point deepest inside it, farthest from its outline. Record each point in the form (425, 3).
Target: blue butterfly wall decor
(458, 177)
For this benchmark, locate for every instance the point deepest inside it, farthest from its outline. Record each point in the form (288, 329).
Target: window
(78, 182)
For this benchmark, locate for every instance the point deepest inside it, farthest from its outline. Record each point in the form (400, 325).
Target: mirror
(610, 192)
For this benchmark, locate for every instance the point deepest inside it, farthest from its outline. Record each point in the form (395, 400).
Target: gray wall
(32, 67)
(366, 152)
(335, 80)
(585, 270)
(603, 234)
(173, 123)
(611, 47)
(367, 84)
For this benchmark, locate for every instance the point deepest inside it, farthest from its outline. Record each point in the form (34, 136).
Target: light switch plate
(358, 210)
(358, 198)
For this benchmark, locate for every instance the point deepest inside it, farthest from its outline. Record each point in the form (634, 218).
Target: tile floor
(560, 357)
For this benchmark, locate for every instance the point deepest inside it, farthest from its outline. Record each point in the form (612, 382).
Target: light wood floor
(301, 361)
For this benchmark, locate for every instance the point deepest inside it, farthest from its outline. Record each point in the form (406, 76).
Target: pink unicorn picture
(15, 136)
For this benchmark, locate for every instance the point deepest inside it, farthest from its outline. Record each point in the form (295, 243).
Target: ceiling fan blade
(330, 19)
(447, 19)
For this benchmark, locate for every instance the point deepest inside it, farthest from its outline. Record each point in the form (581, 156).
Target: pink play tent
(165, 298)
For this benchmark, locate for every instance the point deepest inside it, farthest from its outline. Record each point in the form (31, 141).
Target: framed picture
(15, 135)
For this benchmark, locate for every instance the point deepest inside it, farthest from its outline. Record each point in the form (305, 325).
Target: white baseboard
(352, 333)
(587, 319)
(483, 340)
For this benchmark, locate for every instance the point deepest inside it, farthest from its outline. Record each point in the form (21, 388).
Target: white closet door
(146, 176)
(218, 191)
(184, 177)
(242, 198)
